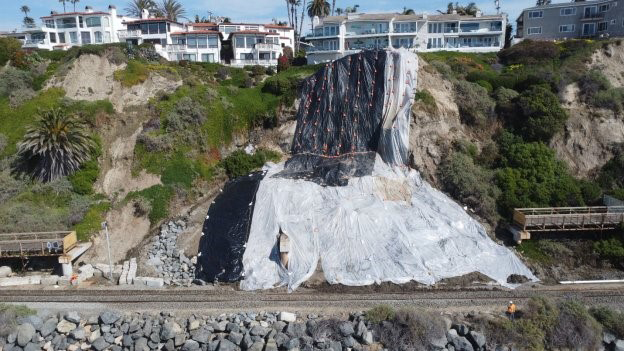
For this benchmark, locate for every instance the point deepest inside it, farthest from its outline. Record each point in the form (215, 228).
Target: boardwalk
(37, 243)
(565, 219)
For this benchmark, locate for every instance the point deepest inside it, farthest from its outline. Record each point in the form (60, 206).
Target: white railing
(175, 48)
(128, 34)
(33, 42)
(253, 62)
(267, 46)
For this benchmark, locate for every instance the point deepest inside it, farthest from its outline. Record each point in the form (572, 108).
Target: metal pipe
(609, 281)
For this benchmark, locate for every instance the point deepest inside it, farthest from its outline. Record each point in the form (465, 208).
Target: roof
(203, 24)
(156, 19)
(400, 17)
(276, 26)
(447, 17)
(568, 4)
(76, 13)
(253, 32)
(197, 32)
(238, 24)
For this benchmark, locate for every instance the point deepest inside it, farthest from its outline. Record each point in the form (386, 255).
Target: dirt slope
(91, 78)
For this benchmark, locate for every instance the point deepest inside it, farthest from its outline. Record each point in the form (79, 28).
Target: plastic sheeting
(383, 224)
(226, 230)
(366, 233)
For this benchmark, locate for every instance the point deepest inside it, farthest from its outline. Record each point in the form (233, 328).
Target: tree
(25, 9)
(333, 7)
(320, 8)
(28, 21)
(407, 11)
(171, 9)
(56, 146)
(541, 114)
(74, 2)
(542, 2)
(135, 7)
(63, 2)
(353, 9)
(467, 10)
(339, 11)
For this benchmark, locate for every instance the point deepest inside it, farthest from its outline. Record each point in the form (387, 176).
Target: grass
(92, 221)
(532, 251)
(8, 317)
(159, 197)
(380, 313)
(134, 73)
(611, 320)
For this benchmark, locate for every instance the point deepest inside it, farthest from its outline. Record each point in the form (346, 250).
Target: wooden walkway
(565, 219)
(37, 243)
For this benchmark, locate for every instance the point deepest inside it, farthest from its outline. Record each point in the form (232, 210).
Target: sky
(254, 11)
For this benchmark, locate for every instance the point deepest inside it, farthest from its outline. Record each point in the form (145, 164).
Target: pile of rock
(143, 332)
(461, 337)
(170, 263)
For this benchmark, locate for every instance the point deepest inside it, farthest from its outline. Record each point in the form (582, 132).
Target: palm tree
(54, 147)
(74, 2)
(353, 9)
(28, 22)
(63, 1)
(407, 11)
(333, 7)
(25, 9)
(319, 8)
(339, 11)
(171, 9)
(135, 7)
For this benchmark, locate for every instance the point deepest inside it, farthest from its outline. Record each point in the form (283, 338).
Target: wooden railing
(568, 218)
(37, 243)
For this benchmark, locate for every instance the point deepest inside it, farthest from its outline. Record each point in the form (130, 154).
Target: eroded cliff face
(591, 134)
(91, 78)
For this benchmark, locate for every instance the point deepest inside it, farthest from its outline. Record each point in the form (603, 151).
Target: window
(179, 40)
(589, 29)
(602, 26)
(433, 43)
(66, 22)
(94, 22)
(612, 22)
(189, 57)
(86, 37)
(213, 42)
(191, 41)
(107, 37)
(98, 37)
(568, 11)
(469, 27)
(534, 30)
(106, 22)
(162, 27)
(144, 28)
(590, 12)
(244, 56)
(80, 22)
(496, 26)
(603, 8)
(536, 14)
(153, 28)
(406, 27)
(250, 42)
(49, 23)
(73, 36)
(61, 37)
(52, 37)
(402, 43)
(435, 27)
(240, 42)
(208, 58)
(326, 31)
(202, 41)
(566, 28)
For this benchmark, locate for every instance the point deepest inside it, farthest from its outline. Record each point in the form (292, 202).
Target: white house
(61, 31)
(255, 48)
(336, 36)
(195, 45)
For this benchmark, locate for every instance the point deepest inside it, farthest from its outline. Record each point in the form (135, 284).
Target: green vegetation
(158, 197)
(240, 163)
(380, 313)
(475, 105)
(9, 315)
(412, 330)
(135, 73)
(611, 320)
(427, 101)
(92, 221)
(611, 249)
(546, 325)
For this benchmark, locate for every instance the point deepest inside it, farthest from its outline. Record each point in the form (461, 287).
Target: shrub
(442, 68)
(9, 314)
(530, 52)
(541, 114)
(223, 73)
(180, 171)
(158, 197)
(78, 207)
(28, 216)
(288, 53)
(504, 99)
(186, 114)
(283, 63)
(142, 206)
(258, 71)
(278, 85)
(425, 98)
(612, 321)
(3, 142)
(412, 330)
(12, 80)
(240, 163)
(470, 184)
(593, 81)
(134, 73)
(8, 48)
(9, 186)
(612, 173)
(82, 181)
(610, 249)
(612, 99)
(92, 221)
(575, 328)
(270, 71)
(475, 105)
(487, 85)
(327, 329)
(380, 313)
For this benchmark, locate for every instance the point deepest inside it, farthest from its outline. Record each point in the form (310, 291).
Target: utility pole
(497, 5)
(110, 262)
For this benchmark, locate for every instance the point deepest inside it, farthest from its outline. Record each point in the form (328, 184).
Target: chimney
(454, 12)
(113, 11)
(316, 21)
(145, 14)
(478, 14)
(88, 9)
(53, 13)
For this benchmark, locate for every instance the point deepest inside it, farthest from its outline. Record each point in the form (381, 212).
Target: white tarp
(360, 238)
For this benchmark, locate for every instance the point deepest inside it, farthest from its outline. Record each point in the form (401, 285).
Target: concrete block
(139, 281)
(34, 280)
(63, 281)
(5, 271)
(49, 279)
(154, 282)
(14, 281)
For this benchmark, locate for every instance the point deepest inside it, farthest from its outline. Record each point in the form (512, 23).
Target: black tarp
(226, 230)
(339, 120)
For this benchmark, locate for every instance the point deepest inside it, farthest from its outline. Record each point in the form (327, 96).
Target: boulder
(235, 337)
(256, 346)
(72, 316)
(287, 317)
(141, 345)
(25, 333)
(270, 345)
(78, 334)
(169, 331)
(259, 331)
(346, 329)
(109, 317)
(65, 326)
(201, 335)
(5, 271)
(100, 344)
(227, 345)
(31, 346)
(608, 338)
(367, 338)
(477, 340)
(48, 326)
(190, 345)
(619, 345)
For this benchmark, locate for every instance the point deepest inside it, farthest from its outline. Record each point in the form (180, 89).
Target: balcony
(241, 63)
(34, 42)
(592, 16)
(123, 34)
(175, 48)
(321, 35)
(367, 33)
(268, 46)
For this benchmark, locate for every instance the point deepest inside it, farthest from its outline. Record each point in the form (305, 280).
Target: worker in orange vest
(511, 310)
